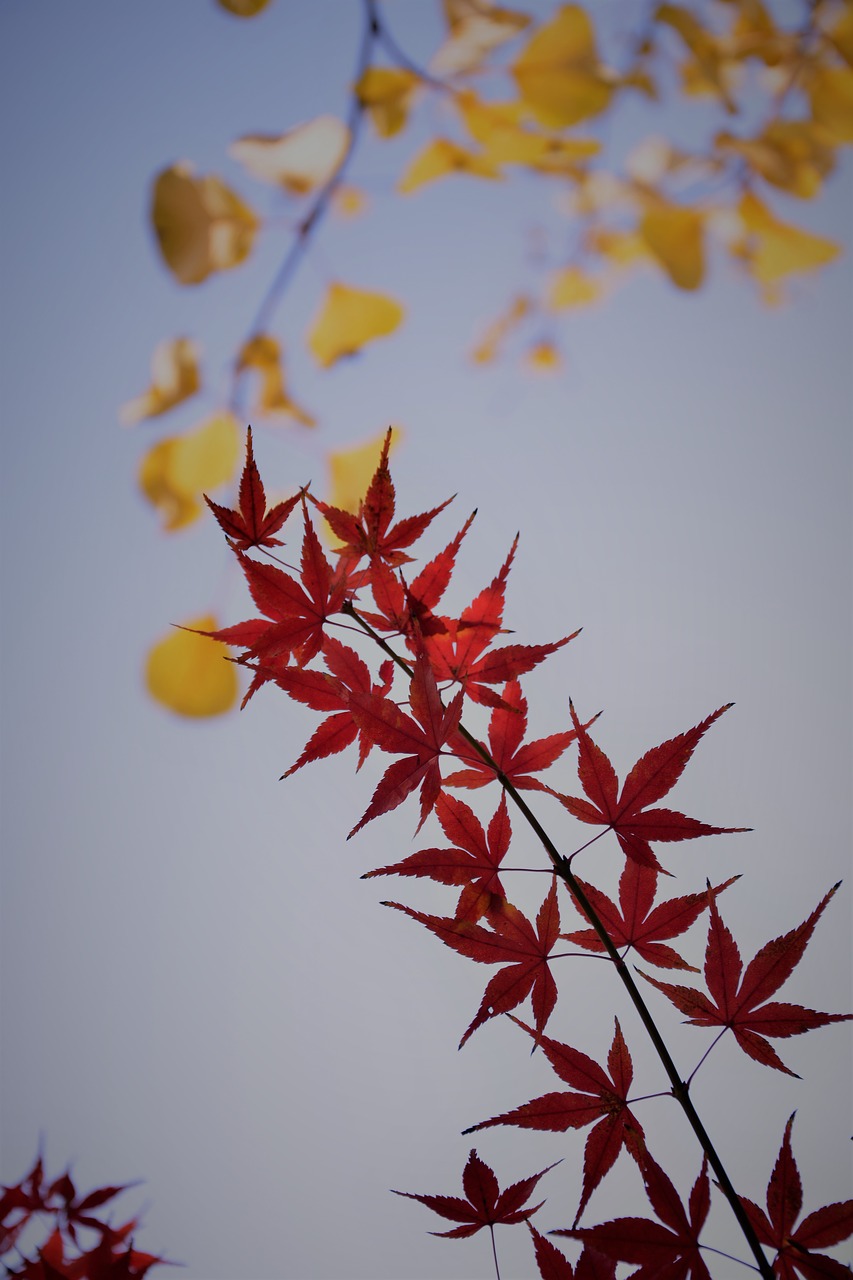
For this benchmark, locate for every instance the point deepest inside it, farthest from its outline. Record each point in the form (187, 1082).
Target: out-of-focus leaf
(488, 348)
(572, 287)
(831, 97)
(558, 72)
(348, 201)
(707, 71)
(348, 319)
(263, 355)
(201, 225)
(174, 377)
(300, 160)
(176, 472)
(442, 156)
(841, 34)
(386, 92)
(476, 29)
(351, 470)
(189, 674)
(789, 154)
(776, 249)
(543, 357)
(243, 8)
(675, 236)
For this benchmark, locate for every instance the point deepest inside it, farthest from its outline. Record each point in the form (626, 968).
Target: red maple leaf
(795, 1245)
(297, 611)
(472, 862)
(636, 923)
(652, 777)
(670, 1250)
(370, 532)
(457, 651)
(517, 760)
(486, 1205)
(252, 525)
(740, 1003)
(601, 1097)
(332, 691)
(512, 941)
(554, 1265)
(421, 739)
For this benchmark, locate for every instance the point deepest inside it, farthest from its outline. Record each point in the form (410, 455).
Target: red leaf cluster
(62, 1256)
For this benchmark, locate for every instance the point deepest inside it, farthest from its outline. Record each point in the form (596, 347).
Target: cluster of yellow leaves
(664, 209)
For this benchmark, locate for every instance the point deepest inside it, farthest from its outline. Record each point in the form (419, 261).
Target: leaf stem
(562, 868)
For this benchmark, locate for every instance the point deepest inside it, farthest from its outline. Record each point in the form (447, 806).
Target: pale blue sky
(197, 989)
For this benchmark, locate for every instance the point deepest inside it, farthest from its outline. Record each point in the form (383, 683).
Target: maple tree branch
(562, 868)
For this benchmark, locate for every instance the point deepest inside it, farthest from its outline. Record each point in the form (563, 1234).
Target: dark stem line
(562, 868)
(494, 1250)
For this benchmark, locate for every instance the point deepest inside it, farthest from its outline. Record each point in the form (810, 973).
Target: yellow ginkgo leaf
(263, 354)
(499, 129)
(174, 377)
(476, 29)
(243, 8)
(348, 319)
(190, 674)
(351, 470)
(300, 160)
(572, 287)
(440, 157)
(789, 154)
(176, 472)
(386, 92)
(776, 249)
(558, 72)
(841, 34)
(675, 236)
(831, 97)
(621, 248)
(201, 225)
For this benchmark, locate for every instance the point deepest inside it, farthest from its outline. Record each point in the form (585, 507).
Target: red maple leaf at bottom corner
(795, 1245)
(485, 1205)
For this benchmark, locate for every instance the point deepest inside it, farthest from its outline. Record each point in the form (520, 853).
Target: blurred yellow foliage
(475, 29)
(201, 225)
(348, 319)
(174, 378)
(776, 249)
(176, 472)
(558, 73)
(386, 92)
(243, 8)
(300, 160)
(674, 234)
(440, 157)
(263, 355)
(572, 287)
(831, 97)
(190, 674)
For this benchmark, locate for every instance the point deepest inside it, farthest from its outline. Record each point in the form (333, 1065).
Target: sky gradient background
(197, 989)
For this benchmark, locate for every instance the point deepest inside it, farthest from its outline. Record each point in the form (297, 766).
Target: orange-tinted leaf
(243, 8)
(349, 319)
(175, 473)
(486, 1205)
(189, 674)
(174, 378)
(201, 225)
(300, 160)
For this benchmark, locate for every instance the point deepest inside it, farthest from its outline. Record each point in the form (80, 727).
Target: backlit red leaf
(252, 525)
(738, 1003)
(485, 1204)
